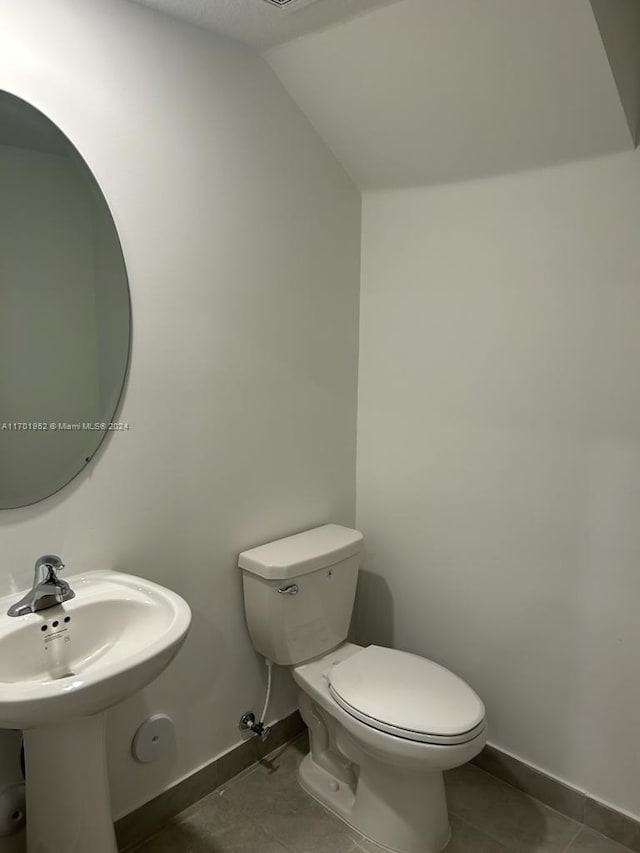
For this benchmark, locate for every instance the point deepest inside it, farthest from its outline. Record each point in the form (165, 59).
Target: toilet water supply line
(269, 666)
(248, 720)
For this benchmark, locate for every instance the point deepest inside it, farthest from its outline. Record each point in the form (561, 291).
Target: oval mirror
(65, 315)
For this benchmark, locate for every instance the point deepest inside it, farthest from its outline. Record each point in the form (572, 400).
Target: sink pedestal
(61, 667)
(68, 804)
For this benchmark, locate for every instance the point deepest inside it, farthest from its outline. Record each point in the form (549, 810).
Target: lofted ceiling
(433, 91)
(259, 24)
(420, 92)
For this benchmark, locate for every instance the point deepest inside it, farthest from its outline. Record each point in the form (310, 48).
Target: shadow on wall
(372, 620)
(473, 795)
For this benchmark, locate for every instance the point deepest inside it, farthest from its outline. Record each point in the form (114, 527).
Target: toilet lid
(407, 695)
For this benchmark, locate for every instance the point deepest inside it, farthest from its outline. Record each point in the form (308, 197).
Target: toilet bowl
(383, 724)
(383, 780)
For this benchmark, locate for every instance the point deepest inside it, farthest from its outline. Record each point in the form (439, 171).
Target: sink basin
(87, 654)
(60, 669)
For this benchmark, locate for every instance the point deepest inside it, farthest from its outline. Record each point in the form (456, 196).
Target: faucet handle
(47, 568)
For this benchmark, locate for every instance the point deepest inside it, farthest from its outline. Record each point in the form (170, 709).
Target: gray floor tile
(210, 813)
(264, 810)
(558, 795)
(467, 839)
(510, 817)
(212, 827)
(269, 796)
(272, 773)
(172, 839)
(614, 825)
(590, 841)
(464, 839)
(151, 817)
(290, 815)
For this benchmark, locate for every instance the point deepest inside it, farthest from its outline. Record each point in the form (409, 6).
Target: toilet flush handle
(291, 589)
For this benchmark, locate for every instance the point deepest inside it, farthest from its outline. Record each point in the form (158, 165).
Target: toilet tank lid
(302, 553)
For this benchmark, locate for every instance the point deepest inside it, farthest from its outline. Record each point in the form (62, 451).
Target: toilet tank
(299, 592)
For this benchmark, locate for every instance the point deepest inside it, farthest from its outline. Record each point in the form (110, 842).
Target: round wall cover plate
(154, 739)
(12, 809)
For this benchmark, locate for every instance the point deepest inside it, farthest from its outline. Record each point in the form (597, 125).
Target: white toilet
(383, 724)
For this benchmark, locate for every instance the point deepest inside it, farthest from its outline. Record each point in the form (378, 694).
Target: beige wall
(241, 236)
(499, 453)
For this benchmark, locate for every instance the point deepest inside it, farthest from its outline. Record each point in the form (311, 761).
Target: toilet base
(403, 813)
(389, 789)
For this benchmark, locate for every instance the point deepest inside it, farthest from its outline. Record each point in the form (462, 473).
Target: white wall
(241, 236)
(499, 453)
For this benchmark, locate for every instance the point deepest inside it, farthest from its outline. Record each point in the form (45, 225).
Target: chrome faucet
(47, 590)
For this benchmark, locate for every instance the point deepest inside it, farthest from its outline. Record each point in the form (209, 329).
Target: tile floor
(265, 811)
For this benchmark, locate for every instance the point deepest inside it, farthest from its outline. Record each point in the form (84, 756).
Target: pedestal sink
(60, 669)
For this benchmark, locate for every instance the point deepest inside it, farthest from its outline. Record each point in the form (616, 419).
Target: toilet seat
(407, 696)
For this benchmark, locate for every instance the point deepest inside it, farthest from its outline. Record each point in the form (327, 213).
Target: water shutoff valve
(248, 724)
